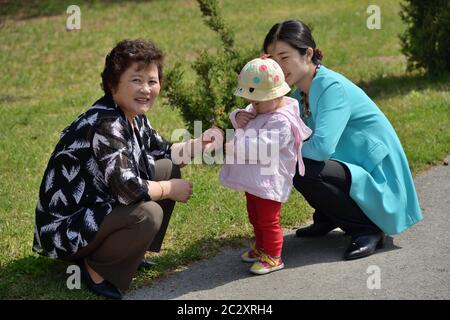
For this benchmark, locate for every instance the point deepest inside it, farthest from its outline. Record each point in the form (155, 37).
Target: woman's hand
(212, 139)
(177, 189)
(243, 117)
(184, 152)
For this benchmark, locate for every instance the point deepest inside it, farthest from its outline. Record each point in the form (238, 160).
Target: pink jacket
(268, 177)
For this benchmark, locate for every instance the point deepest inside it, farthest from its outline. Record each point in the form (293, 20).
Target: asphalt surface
(413, 265)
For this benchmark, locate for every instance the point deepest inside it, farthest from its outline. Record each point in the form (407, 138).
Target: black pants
(326, 186)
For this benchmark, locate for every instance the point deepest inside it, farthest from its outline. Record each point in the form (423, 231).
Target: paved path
(413, 265)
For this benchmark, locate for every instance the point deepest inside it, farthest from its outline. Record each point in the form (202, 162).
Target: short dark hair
(123, 55)
(295, 33)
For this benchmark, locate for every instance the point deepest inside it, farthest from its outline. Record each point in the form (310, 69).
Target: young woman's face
(295, 66)
(137, 89)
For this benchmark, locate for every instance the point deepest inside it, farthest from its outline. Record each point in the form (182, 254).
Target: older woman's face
(295, 66)
(137, 89)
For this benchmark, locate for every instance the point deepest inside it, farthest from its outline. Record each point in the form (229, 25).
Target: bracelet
(162, 190)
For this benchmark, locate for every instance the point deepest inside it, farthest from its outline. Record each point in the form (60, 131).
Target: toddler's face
(266, 106)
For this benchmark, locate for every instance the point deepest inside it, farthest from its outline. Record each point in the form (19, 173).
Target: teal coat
(349, 127)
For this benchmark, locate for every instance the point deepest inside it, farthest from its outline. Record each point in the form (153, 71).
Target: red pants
(264, 215)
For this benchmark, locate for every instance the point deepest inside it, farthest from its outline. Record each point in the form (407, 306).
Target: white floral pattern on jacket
(99, 162)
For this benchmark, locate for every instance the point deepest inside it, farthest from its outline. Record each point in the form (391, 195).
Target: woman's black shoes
(146, 264)
(364, 246)
(104, 288)
(314, 230)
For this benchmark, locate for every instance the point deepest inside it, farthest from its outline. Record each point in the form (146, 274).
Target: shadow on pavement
(299, 252)
(226, 267)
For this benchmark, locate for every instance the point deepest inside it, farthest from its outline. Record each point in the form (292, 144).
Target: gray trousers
(128, 232)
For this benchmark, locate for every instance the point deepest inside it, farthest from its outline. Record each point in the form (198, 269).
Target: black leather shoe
(146, 264)
(104, 288)
(314, 230)
(364, 246)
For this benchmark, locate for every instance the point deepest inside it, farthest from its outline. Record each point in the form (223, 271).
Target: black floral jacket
(100, 161)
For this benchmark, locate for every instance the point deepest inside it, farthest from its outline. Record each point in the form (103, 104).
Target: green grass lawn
(49, 76)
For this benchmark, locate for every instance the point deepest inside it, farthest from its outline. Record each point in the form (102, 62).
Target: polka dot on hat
(263, 67)
(256, 80)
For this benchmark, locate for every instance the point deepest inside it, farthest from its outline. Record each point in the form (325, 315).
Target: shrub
(211, 99)
(426, 41)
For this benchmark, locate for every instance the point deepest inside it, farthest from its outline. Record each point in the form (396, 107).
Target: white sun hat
(261, 79)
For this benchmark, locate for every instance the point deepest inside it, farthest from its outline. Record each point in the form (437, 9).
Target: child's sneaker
(251, 255)
(267, 264)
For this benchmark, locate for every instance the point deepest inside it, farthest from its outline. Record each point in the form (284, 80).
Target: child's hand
(243, 117)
